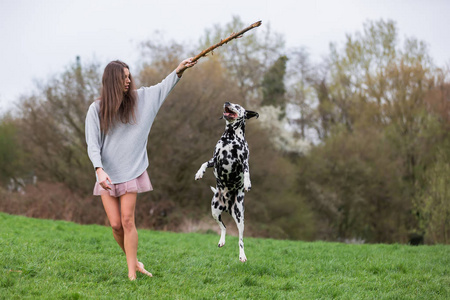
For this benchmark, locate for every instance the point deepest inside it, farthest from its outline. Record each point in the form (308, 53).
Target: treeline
(354, 147)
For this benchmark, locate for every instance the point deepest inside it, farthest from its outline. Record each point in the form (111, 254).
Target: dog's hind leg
(238, 215)
(216, 210)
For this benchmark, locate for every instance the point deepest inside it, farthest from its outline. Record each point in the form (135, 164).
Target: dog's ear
(250, 114)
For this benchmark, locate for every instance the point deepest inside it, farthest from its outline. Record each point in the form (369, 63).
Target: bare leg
(112, 209)
(128, 205)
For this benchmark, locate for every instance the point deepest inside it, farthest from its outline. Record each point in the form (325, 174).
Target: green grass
(62, 260)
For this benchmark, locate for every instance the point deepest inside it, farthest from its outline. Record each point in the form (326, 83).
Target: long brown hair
(115, 104)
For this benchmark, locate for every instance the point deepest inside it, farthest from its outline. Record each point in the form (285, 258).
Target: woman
(117, 128)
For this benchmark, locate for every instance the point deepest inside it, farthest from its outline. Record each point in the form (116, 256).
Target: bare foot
(140, 268)
(132, 278)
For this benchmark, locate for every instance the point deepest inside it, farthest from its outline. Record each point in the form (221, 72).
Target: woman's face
(126, 80)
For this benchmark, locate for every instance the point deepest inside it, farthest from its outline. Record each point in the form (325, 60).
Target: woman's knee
(117, 226)
(128, 204)
(128, 223)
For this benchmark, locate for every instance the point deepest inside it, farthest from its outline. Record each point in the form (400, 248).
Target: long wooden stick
(222, 42)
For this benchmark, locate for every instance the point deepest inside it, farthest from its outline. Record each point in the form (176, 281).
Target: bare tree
(52, 126)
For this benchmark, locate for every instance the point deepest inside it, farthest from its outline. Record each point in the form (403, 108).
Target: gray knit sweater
(122, 153)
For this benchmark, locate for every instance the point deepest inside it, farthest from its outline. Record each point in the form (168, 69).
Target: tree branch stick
(222, 42)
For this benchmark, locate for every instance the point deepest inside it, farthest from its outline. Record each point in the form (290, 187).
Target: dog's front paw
(247, 185)
(247, 182)
(199, 174)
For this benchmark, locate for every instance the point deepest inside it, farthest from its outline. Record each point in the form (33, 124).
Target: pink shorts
(138, 185)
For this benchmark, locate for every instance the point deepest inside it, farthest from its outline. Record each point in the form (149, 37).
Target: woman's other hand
(103, 179)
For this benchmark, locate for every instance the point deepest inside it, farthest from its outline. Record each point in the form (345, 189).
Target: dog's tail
(214, 190)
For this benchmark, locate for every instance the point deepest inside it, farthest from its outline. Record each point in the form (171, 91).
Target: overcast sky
(39, 38)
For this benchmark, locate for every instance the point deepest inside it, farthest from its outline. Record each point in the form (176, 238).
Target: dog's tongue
(229, 115)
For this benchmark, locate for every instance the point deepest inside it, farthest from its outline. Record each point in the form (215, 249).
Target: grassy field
(62, 260)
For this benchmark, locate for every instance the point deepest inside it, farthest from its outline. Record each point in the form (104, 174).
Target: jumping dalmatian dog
(231, 169)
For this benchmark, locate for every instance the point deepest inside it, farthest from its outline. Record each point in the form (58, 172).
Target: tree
(52, 126)
(273, 90)
(301, 78)
(373, 113)
(11, 153)
(431, 203)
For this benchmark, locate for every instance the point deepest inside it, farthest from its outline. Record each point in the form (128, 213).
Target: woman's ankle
(132, 277)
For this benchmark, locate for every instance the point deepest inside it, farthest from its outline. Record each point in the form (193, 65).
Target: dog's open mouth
(229, 114)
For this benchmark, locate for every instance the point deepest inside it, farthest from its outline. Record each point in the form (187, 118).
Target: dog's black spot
(237, 214)
(224, 177)
(220, 220)
(245, 155)
(215, 204)
(234, 151)
(240, 198)
(230, 204)
(224, 140)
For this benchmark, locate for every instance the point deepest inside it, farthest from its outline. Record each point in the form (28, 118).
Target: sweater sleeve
(159, 92)
(167, 85)
(93, 136)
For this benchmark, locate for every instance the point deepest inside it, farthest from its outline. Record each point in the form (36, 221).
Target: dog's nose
(227, 103)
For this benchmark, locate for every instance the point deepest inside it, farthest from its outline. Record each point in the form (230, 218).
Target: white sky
(39, 38)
